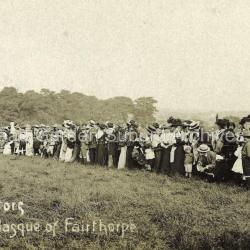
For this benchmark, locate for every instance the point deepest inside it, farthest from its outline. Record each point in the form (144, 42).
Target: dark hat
(171, 119)
(186, 123)
(232, 124)
(222, 122)
(176, 123)
(102, 126)
(156, 125)
(92, 123)
(151, 129)
(132, 124)
(110, 125)
(244, 120)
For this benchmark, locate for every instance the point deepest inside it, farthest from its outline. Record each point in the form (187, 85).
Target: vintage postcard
(125, 124)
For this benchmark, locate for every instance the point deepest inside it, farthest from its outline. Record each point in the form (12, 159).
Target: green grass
(169, 213)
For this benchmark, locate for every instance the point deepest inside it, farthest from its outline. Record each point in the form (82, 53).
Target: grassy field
(169, 213)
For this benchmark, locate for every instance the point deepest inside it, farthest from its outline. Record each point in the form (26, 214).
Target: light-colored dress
(63, 146)
(149, 154)
(237, 167)
(29, 143)
(7, 149)
(68, 154)
(122, 158)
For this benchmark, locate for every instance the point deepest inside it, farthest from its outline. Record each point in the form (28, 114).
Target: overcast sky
(188, 54)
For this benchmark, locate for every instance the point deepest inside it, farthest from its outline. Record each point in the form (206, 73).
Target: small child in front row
(189, 158)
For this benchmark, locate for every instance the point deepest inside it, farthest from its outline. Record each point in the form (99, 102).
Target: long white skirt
(68, 154)
(7, 149)
(122, 158)
(63, 151)
(87, 156)
(237, 167)
(29, 148)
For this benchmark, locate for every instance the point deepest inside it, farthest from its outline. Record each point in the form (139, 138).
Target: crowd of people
(177, 147)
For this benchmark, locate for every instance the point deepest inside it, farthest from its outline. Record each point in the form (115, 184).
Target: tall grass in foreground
(169, 213)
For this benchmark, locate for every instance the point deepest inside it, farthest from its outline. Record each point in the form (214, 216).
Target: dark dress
(92, 146)
(101, 151)
(112, 148)
(77, 148)
(177, 167)
(157, 160)
(165, 160)
(223, 168)
(131, 136)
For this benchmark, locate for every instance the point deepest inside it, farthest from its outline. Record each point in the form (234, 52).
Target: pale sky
(188, 54)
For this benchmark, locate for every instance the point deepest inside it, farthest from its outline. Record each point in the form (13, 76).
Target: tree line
(50, 107)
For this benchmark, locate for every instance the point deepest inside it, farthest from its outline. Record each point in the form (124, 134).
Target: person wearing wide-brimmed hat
(77, 143)
(131, 135)
(177, 155)
(66, 147)
(176, 123)
(189, 160)
(206, 160)
(112, 145)
(122, 147)
(22, 141)
(91, 141)
(167, 141)
(29, 140)
(225, 147)
(155, 133)
(70, 142)
(193, 136)
(194, 125)
(83, 138)
(217, 141)
(13, 134)
(238, 167)
(245, 122)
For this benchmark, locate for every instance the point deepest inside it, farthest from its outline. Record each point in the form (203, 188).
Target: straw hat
(203, 148)
(194, 125)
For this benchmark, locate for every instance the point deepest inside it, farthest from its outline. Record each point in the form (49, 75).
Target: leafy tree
(49, 107)
(145, 110)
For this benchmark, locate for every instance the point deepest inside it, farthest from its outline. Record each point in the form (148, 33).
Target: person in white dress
(123, 147)
(237, 167)
(7, 148)
(29, 141)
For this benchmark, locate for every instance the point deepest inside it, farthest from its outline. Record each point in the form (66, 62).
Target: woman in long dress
(29, 141)
(70, 142)
(237, 167)
(123, 148)
(177, 157)
(7, 148)
(167, 140)
(101, 156)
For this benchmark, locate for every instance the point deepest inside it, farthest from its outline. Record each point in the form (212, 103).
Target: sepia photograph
(125, 124)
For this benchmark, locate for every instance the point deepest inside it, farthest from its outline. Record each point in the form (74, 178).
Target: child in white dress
(237, 167)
